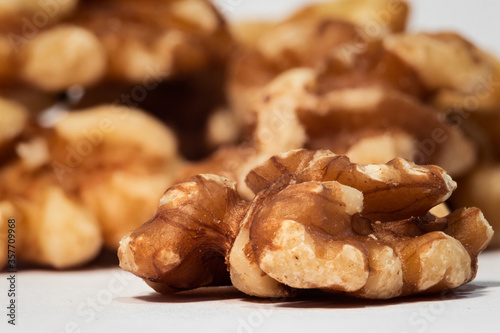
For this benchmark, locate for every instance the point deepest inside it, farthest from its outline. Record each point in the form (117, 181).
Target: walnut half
(318, 221)
(185, 244)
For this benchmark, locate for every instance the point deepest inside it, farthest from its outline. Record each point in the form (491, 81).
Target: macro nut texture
(359, 229)
(317, 221)
(184, 246)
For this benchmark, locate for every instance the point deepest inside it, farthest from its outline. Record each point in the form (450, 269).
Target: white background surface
(109, 300)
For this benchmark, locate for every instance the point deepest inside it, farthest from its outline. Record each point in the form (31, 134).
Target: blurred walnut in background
(106, 162)
(167, 57)
(85, 182)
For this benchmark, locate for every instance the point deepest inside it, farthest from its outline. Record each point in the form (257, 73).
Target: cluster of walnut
(345, 76)
(167, 57)
(56, 45)
(317, 221)
(150, 84)
(79, 175)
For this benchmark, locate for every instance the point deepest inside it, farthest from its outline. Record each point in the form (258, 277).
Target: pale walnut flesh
(304, 258)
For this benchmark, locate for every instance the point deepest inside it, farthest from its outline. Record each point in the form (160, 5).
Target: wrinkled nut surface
(318, 221)
(184, 246)
(335, 240)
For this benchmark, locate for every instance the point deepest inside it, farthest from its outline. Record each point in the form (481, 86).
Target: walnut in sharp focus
(317, 221)
(322, 174)
(349, 233)
(185, 245)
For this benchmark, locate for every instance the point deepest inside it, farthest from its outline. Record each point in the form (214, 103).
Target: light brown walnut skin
(247, 276)
(378, 242)
(184, 246)
(154, 253)
(418, 188)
